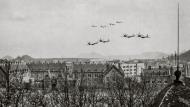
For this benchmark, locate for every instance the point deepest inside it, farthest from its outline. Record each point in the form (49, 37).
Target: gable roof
(119, 70)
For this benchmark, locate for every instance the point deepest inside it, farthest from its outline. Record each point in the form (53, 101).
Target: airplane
(125, 35)
(104, 41)
(147, 36)
(140, 35)
(111, 24)
(89, 43)
(128, 36)
(103, 26)
(119, 22)
(93, 26)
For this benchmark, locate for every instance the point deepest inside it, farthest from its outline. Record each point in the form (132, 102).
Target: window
(165, 81)
(107, 78)
(76, 76)
(96, 75)
(89, 75)
(114, 78)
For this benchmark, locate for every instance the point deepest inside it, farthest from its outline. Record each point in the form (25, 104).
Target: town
(87, 82)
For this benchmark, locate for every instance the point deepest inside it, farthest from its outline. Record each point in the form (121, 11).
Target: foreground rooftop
(174, 95)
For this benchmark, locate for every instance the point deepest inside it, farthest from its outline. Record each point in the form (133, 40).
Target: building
(159, 76)
(187, 73)
(2, 78)
(17, 70)
(91, 74)
(43, 74)
(155, 63)
(113, 75)
(132, 68)
(21, 69)
(58, 60)
(40, 70)
(98, 61)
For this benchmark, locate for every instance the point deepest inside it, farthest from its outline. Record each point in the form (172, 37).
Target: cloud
(18, 16)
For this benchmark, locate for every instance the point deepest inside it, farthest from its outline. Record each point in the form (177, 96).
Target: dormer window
(160, 67)
(149, 68)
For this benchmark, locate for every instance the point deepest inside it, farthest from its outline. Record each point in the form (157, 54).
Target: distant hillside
(25, 58)
(152, 55)
(146, 55)
(185, 56)
(90, 55)
(8, 57)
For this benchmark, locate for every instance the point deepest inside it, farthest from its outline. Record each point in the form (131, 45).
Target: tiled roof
(14, 67)
(89, 67)
(174, 95)
(46, 66)
(18, 66)
(156, 71)
(119, 70)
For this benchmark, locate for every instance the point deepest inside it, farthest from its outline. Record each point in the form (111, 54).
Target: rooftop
(174, 95)
(46, 66)
(90, 67)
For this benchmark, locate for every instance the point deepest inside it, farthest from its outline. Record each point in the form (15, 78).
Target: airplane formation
(110, 24)
(139, 35)
(99, 41)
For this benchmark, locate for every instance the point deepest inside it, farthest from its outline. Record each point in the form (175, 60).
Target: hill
(25, 58)
(90, 55)
(146, 55)
(8, 57)
(152, 55)
(185, 56)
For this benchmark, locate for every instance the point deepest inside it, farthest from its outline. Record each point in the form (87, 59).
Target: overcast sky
(62, 28)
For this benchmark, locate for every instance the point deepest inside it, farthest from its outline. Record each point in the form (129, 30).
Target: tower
(177, 72)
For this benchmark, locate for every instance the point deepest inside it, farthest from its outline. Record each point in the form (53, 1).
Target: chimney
(107, 66)
(119, 65)
(159, 67)
(149, 67)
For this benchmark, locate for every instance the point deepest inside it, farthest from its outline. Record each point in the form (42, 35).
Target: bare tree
(14, 84)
